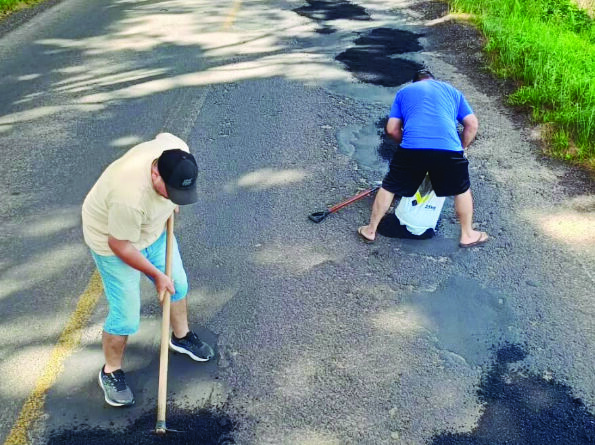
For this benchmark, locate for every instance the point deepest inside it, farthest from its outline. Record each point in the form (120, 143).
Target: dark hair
(422, 74)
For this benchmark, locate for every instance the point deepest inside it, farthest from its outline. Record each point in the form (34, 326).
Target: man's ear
(155, 169)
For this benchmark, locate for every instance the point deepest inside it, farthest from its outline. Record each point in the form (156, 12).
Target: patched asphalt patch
(321, 10)
(325, 30)
(373, 59)
(525, 409)
(195, 426)
(389, 41)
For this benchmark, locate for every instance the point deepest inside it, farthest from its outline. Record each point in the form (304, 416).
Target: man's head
(178, 170)
(422, 75)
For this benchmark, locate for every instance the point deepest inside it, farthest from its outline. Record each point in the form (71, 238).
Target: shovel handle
(357, 197)
(160, 427)
(320, 216)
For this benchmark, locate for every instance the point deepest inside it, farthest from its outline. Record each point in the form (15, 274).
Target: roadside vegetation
(8, 6)
(548, 48)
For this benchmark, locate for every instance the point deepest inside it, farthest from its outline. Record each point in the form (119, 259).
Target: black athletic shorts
(448, 170)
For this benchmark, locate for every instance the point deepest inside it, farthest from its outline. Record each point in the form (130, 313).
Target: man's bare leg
(382, 202)
(464, 209)
(179, 318)
(113, 350)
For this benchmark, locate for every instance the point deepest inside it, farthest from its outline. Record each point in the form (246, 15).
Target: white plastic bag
(421, 211)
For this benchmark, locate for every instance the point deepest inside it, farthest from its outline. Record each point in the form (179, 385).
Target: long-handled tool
(160, 427)
(320, 216)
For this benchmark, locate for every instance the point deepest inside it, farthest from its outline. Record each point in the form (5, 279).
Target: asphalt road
(320, 338)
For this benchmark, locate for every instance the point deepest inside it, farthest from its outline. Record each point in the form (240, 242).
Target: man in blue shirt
(423, 120)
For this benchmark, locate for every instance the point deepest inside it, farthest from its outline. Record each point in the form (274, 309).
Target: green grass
(548, 48)
(8, 6)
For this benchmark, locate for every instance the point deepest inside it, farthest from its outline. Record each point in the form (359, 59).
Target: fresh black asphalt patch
(321, 10)
(524, 409)
(373, 59)
(199, 426)
(387, 147)
(325, 30)
(389, 41)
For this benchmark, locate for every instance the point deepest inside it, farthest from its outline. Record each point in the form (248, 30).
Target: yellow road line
(68, 341)
(71, 335)
(237, 4)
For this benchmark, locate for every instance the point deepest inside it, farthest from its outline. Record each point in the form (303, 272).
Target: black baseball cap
(179, 171)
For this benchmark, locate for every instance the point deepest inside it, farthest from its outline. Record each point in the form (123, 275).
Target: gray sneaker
(117, 392)
(192, 346)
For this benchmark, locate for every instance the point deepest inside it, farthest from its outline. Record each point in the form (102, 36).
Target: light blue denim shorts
(121, 284)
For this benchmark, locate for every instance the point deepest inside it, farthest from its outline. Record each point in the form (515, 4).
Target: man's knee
(122, 324)
(465, 194)
(181, 286)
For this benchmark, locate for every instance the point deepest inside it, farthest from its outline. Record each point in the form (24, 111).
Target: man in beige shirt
(124, 217)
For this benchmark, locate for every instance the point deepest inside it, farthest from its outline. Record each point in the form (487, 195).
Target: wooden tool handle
(357, 197)
(160, 427)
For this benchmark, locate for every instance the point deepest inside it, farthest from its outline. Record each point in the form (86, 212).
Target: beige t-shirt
(123, 202)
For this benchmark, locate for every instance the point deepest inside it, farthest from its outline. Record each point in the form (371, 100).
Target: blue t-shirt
(430, 110)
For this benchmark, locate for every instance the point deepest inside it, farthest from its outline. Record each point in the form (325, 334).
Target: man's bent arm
(394, 128)
(130, 255)
(470, 126)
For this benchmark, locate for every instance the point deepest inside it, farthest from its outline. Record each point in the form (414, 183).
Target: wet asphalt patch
(521, 408)
(373, 59)
(465, 317)
(369, 147)
(195, 426)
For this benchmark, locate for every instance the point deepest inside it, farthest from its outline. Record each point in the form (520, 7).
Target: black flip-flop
(479, 242)
(364, 238)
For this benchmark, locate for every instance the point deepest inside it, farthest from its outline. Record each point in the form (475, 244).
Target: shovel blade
(318, 216)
